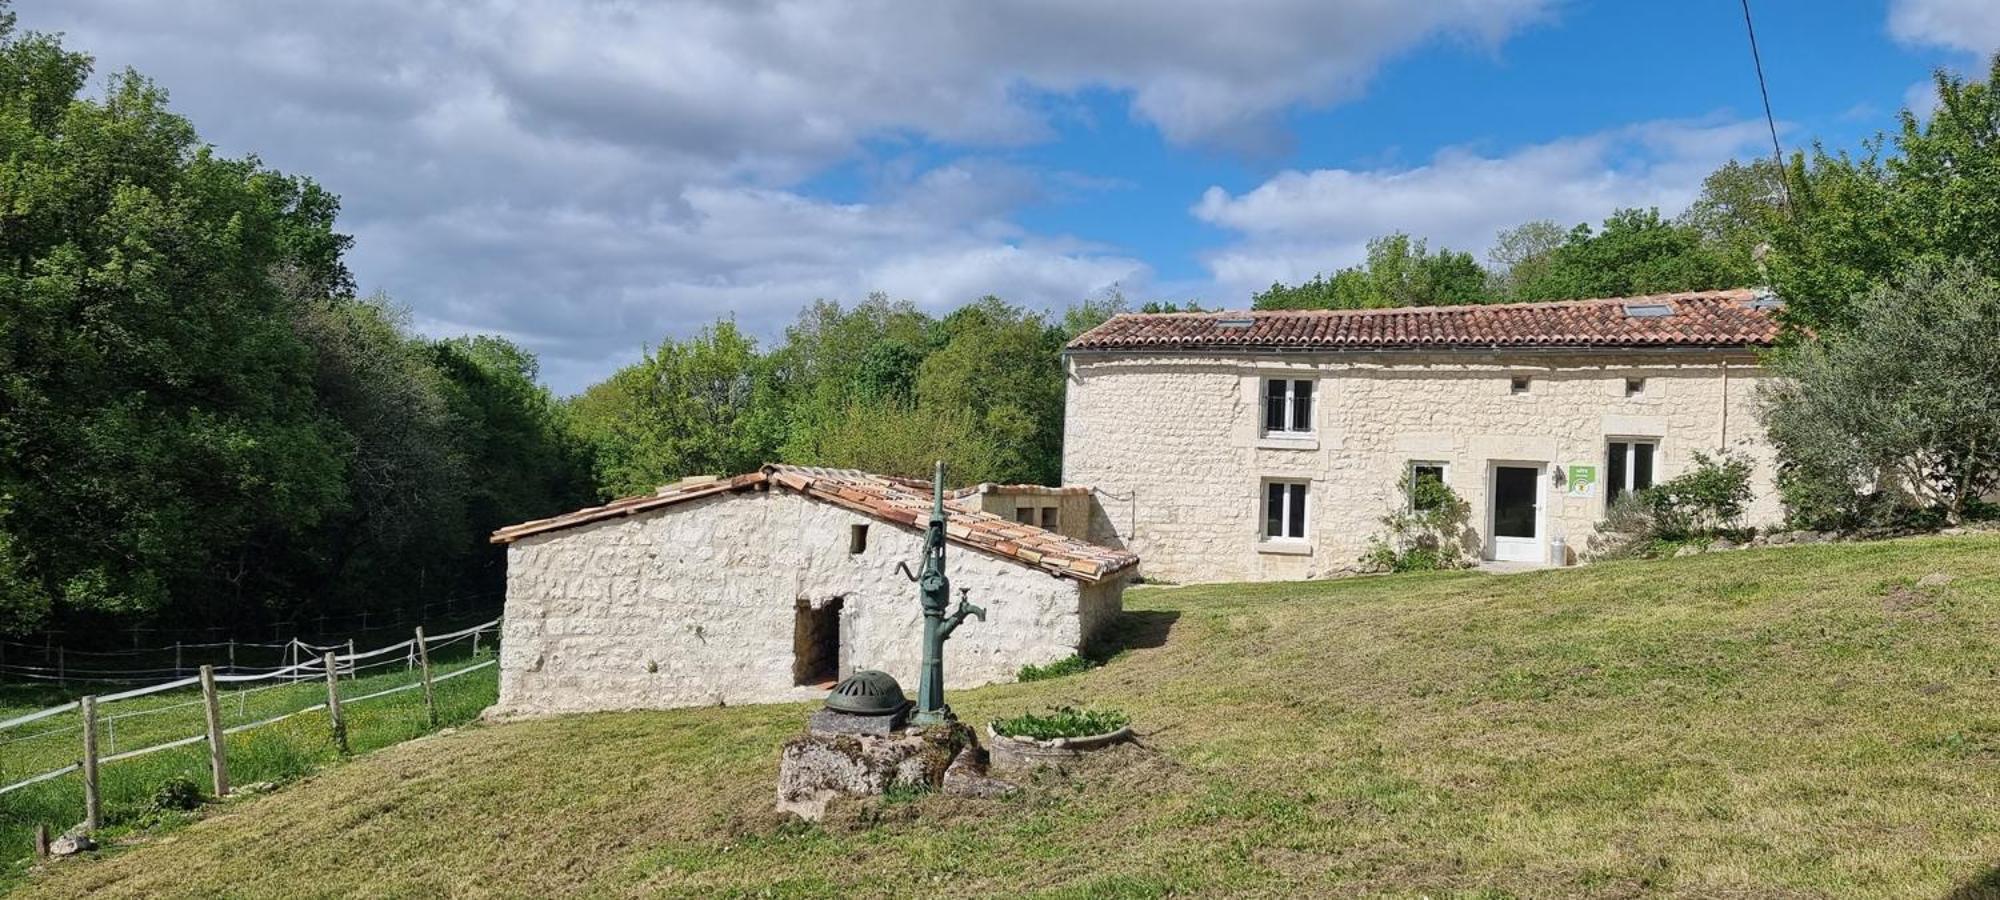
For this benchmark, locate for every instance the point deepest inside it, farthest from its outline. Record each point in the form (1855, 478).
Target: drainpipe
(1722, 439)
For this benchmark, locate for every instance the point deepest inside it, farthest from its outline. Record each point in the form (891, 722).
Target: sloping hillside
(1788, 722)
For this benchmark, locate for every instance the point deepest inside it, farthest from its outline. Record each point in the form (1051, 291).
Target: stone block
(817, 766)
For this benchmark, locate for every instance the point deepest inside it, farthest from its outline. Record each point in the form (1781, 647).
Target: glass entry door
(1517, 513)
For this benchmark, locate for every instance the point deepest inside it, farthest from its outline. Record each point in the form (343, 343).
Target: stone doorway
(816, 642)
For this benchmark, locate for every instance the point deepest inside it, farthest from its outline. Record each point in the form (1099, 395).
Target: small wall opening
(857, 539)
(816, 643)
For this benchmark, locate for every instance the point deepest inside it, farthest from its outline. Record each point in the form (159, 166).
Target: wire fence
(85, 735)
(214, 645)
(62, 666)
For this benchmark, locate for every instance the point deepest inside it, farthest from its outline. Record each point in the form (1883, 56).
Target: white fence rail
(326, 664)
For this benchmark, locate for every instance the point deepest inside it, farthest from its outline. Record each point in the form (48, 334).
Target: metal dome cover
(867, 692)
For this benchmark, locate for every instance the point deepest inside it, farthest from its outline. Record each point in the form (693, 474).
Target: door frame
(1541, 538)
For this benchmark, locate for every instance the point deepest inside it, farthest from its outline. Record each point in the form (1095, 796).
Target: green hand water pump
(935, 590)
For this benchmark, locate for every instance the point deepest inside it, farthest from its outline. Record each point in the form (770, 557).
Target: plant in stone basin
(1062, 722)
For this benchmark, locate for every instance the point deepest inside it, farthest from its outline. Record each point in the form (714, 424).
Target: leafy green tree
(1857, 220)
(1637, 252)
(159, 435)
(697, 407)
(1898, 410)
(1399, 272)
(1002, 364)
(1521, 254)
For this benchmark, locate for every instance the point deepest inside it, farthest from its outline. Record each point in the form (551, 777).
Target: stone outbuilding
(772, 585)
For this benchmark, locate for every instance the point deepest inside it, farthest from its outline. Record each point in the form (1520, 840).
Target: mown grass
(278, 752)
(1788, 722)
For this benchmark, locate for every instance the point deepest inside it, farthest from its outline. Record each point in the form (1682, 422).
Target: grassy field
(1801, 721)
(276, 752)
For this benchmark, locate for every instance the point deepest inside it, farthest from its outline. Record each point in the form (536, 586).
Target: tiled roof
(899, 501)
(1733, 318)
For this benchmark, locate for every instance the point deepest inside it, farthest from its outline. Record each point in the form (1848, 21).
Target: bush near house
(1427, 532)
(1702, 504)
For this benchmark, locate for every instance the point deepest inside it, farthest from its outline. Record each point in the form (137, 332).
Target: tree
(1521, 253)
(1637, 252)
(159, 436)
(1399, 272)
(1897, 411)
(1858, 220)
(697, 407)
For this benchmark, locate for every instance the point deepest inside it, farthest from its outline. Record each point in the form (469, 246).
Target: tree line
(202, 423)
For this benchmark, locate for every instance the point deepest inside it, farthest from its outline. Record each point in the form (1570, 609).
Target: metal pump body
(934, 588)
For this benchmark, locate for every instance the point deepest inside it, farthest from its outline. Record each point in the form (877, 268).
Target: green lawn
(1787, 722)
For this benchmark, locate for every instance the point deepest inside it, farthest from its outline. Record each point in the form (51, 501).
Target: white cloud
(1969, 25)
(1298, 224)
(588, 175)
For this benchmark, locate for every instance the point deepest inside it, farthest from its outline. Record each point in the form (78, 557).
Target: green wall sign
(1583, 481)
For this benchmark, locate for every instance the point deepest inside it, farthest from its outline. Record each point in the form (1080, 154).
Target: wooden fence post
(232, 656)
(333, 703)
(61, 681)
(475, 645)
(92, 806)
(177, 659)
(218, 760)
(424, 660)
(353, 671)
(42, 841)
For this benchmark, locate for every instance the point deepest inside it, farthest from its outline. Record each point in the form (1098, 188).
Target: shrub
(1705, 500)
(1067, 666)
(176, 794)
(1062, 722)
(1426, 532)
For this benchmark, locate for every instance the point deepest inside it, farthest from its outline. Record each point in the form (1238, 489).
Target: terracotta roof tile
(1695, 319)
(899, 501)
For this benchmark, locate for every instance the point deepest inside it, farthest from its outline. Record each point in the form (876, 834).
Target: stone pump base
(822, 764)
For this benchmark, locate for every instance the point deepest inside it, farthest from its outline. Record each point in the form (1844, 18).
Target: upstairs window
(1285, 511)
(1024, 515)
(1635, 387)
(1628, 467)
(1519, 384)
(1288, 406)
(1049, 518)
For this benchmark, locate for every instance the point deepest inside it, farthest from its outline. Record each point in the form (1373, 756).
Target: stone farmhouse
(1269, 445)
(772, 585)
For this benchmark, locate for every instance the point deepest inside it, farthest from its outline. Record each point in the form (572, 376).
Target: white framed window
(1421, 471)
(1285, 510)
(1628, 466)
(1288, 406)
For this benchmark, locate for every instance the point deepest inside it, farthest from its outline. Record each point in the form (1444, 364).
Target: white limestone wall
(1172, 443)
(694, 605)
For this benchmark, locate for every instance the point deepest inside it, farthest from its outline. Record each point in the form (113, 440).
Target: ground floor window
(1421, 474)
(1628, 467)
(1285, 510)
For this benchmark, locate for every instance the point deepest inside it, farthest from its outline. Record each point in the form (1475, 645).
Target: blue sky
(589, 176)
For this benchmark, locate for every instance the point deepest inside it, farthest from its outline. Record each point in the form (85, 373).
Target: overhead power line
(1770, 121)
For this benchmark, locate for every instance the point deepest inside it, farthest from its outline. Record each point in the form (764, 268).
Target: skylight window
(1236, 321)
(1648, 310)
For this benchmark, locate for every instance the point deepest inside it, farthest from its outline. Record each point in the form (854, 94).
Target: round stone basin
(1018, 753)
